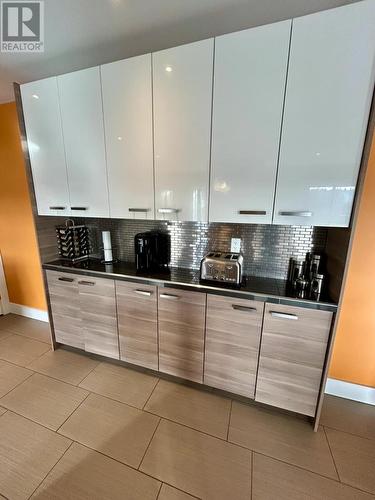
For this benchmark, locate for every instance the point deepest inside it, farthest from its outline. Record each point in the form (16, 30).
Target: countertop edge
(240, 294)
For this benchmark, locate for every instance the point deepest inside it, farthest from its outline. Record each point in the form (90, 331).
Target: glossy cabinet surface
(66, 312)
(249, 84)
(127, 106)
(182, 86)
(181, 317)
(233, 331)
(291, 361)
(41, 109)
(82, 122)
(97, 299)
(329, 90)
(137, 323)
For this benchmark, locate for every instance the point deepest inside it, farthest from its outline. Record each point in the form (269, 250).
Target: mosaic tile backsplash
(267, 249)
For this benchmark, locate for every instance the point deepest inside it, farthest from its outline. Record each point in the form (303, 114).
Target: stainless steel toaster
(225, 267)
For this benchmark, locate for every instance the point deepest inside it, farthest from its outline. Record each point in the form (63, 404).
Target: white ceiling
(84, 33)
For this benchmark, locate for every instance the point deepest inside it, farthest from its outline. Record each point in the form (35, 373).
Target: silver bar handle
(252, 212)
(138, 210)
(296, 214)
(143, 292)
(68, 280)
(169, 296)
(57, 208)
(281, 315)
(243, 308)
(87, 283)
(168, 210)
(79, 208)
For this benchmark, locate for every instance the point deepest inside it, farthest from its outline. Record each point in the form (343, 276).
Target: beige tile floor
(73, 427)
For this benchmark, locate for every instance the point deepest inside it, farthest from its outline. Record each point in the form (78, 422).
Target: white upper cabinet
(82, 121)
(41, 111)
(182, 79)
(329, 89)
(127, 104)
(249, 85)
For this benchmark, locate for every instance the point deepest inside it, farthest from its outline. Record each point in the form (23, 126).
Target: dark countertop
(253, 287)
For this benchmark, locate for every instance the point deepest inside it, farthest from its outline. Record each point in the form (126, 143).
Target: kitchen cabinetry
(41, 110)
(233, 330)
(137, 323)
(182, 83)
(66, 313)
(83, 130)
(181, 333)
(99, 317)
(84, 312)
(127, 106)
(329, 90)
(249, 84)
(293, 350)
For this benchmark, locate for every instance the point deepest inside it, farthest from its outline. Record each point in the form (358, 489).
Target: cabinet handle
(297, 214)
(276, 314)
(244, 308)
(169, 296)
(136, 210)
(252, 212)
(87, 283)
(79, 208)
(143, 292)
(168, 210)
(57, 208)
(68, 280)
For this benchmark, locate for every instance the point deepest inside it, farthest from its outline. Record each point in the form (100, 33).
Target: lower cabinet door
(66, 314)
(181, 333)
(294, 344)
(138, 323)
(233, 330)
(97, 299)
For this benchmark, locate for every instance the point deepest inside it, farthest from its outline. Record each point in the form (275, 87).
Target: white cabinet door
(82, 121)
(329, 89)
(40, 101)
(249, 86)
(127, 105)
(182, 119)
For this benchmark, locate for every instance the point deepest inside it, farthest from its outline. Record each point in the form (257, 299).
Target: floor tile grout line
(252, 475)
(15, 387)
(330, 450)
(349, 433)
(149, 444)
(230, 419)
(49, 472)
(75, 409)
(161, 486)
(90, 372)
(152, 392)
(30, 338)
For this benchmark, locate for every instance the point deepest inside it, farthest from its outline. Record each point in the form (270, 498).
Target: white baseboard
(346, 390)
(29, 312)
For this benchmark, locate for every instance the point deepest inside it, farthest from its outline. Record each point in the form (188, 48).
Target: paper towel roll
(107, 245)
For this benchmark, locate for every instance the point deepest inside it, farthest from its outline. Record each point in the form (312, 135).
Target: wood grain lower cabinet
(233, 331)
(97, 299)
(138, 323)
(66, 313)
(181, 333)
(293, 349)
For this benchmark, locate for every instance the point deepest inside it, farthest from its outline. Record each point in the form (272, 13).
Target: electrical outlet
(235, 245)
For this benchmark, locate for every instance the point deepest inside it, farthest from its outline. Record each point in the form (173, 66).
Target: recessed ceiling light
(168, 69)
(35, 96)
(119, 138)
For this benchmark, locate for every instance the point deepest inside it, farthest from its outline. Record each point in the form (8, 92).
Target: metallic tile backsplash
(267, 249)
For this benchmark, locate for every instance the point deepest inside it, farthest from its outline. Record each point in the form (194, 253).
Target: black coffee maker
(152, 251)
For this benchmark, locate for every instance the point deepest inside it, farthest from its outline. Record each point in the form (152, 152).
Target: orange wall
(354, 351)
(18, 244)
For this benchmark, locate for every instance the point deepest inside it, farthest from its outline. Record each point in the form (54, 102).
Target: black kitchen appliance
(152, 251)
